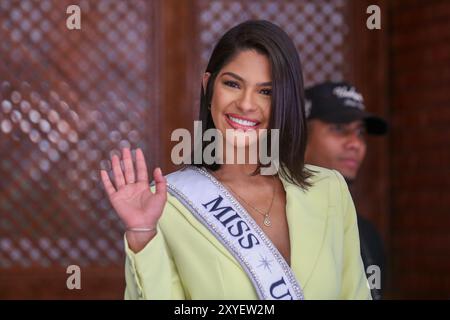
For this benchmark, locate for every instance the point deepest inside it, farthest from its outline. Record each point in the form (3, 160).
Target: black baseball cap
(340, 102)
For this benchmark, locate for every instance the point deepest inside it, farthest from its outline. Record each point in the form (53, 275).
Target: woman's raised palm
(130, 195)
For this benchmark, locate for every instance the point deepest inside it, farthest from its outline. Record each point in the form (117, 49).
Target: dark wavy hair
(287, 104)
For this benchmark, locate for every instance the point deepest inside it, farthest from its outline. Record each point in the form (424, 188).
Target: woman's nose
(246, 102)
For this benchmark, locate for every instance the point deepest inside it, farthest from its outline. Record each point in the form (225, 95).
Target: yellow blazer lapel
(307, 218)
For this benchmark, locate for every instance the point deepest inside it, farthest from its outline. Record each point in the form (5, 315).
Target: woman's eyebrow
(234, 75)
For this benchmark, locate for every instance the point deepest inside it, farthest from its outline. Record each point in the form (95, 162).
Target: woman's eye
(231, 84)
(267, 92)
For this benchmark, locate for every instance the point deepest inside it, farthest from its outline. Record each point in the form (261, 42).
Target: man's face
(337, 146)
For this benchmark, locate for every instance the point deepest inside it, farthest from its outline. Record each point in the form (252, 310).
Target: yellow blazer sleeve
(354, 281)
(151, 273)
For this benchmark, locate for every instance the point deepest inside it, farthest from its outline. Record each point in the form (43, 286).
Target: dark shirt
(372, 252)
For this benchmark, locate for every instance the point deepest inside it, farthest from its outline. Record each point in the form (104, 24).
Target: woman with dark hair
(226, 230)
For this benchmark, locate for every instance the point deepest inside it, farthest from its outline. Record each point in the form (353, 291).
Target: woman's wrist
(138, 237)
(141, 229)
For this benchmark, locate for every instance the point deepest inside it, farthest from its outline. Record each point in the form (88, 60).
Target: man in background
(337, 127)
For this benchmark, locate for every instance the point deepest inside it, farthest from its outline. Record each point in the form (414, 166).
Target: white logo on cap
(343, 92)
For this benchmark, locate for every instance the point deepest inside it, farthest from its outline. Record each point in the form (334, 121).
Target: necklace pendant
(267, 222)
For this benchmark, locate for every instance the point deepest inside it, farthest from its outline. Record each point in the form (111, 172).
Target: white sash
(211, 203)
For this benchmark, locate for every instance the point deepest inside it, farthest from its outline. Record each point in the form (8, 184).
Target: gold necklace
(266, 221)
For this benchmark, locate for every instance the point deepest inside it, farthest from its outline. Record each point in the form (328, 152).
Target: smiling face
(241, 100)
(336, 146)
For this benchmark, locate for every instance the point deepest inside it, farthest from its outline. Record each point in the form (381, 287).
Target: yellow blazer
(185, 261)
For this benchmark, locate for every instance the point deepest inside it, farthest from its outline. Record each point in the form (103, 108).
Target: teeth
(243, 122)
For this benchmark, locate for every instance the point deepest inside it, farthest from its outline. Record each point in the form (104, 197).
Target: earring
(209, 106)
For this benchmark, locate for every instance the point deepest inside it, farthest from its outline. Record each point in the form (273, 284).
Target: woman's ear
(205, 80)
